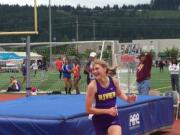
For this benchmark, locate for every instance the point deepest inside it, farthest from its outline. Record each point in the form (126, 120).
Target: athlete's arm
(119, 92)
(90, 96)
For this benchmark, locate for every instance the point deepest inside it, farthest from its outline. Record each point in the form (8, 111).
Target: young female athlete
(67, 70)
(104, 90)
(76, 75)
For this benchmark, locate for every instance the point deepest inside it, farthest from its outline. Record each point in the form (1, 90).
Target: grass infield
(50, 80)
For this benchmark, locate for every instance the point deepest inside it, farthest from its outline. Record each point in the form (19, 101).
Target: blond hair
(112, 71)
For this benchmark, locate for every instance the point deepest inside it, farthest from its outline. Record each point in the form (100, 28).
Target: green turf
(160, 80)
(51, 82)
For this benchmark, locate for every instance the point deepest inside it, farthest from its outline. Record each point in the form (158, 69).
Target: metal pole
(77, 33)
(113, 54)
(50, 35)
(77, 29)
(27, 62)
(128, 83)
(94, 30)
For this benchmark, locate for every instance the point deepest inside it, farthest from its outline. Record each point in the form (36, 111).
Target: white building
(158, 45)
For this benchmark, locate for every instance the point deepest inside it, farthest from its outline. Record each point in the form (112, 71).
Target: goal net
(48, 80)
(75, 51)
(125, 57)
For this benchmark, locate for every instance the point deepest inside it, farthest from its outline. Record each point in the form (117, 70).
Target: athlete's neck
(104, 81)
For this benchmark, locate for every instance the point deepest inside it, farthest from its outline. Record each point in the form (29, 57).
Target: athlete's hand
(113, 111)
(131, 98)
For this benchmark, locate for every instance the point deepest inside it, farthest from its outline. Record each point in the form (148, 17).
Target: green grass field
(159, 81)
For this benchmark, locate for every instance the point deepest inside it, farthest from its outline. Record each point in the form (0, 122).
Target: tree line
(144, 21)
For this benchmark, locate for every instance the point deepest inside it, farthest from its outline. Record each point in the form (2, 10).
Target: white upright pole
(102, 49)
(113, 54)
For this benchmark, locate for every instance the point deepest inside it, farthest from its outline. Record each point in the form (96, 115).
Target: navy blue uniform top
(65, 69)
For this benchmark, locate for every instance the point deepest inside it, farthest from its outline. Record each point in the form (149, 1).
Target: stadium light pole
(50, 35)
(77, 33)
(94, 30)
(77, 29)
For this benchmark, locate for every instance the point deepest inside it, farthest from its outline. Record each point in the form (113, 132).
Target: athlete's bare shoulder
(115, 80)
(92, 86)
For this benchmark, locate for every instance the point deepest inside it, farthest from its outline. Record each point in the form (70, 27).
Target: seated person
(14, 85)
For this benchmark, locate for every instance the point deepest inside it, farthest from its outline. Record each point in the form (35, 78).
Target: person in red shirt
(143, 73)
(59, 64)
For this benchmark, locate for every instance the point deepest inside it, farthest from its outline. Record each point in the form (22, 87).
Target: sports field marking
(162, 88)
(160, 80)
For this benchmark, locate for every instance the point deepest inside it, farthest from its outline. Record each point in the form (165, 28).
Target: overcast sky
(87, 3)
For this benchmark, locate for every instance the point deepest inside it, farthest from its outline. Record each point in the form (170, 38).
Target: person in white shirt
(35, 67)
(174, 71)
(89, 67)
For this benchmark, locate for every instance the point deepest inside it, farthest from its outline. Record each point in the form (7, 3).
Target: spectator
(174, 71)
(59, 64)
(143, 73)
(67, 70)
(76, 75)
(14, 85)
(24, 72)
(43, 68)
(156, 63)
(44, 64)
(161, 66)
(88, 67)
(34, 67)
